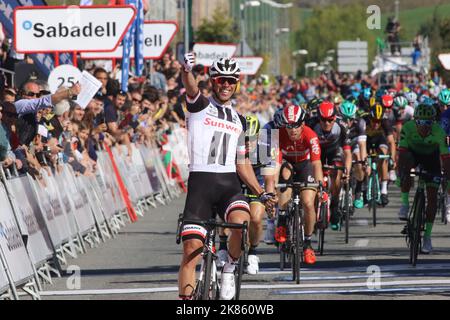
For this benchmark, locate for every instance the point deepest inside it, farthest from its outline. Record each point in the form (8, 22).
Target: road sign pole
(75, 62)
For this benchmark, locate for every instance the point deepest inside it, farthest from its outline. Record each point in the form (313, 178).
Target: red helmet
(327, 110)
(387, 101)
(293, 115)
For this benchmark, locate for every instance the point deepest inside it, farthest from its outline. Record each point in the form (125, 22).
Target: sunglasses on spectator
(329, 120)
(137, 100)
(32, 94)
(293, 126)
(425, 123)
(222, 80)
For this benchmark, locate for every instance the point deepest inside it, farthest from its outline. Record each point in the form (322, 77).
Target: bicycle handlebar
(299, 185)
(335, 168)
(212, 223)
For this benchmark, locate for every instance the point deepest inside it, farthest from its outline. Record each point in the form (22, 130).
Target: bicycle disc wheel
(207, 277)
(417, 228)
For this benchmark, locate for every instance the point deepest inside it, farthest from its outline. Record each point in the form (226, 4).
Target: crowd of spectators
(41, 130)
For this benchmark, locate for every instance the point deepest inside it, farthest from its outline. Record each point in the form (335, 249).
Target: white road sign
(444, 59)
(63, 29)
(157, 38)
(207, 53)
(64, 75)
(352, 56)
(249, 65)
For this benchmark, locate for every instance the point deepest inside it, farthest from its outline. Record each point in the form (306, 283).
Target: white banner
(38, 244)
(157, 38)
(249, 65)
(11, 243)
(65, 29)
(207, 53)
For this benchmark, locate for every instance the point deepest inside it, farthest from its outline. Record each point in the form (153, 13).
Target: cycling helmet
(411, 97)
(293, 115)
(278, 119)
(387, 101)
(253, 125)
(225, 68)
(348, 109)
(367, 93)
(327, 110)
(372, 101)
(377, 112)
(400, 102)
(424, 112)
(425, 99)
(444, 97)
(312, 104)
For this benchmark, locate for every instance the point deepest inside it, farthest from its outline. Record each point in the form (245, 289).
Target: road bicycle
(207, 286)
(373, 185)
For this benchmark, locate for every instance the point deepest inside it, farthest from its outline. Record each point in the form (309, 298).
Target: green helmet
(400, 102)
(252, 125)
(348, 109)
(444, 97)
(424, 112)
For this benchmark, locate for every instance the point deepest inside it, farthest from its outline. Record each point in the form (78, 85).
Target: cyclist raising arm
(215, 138)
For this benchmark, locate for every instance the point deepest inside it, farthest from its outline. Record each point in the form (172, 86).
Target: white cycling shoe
(253, 264)
(227, 286)
(222, 258)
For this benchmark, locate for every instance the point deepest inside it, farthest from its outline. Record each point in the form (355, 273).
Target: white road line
(366, 276)
(362, 243)
(244, 287)
(392, 290)
(359, 258)
(362, 222)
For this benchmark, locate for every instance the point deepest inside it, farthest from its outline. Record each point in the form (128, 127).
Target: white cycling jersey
(216, 135)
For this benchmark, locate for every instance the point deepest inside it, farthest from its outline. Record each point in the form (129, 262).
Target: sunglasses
(32, 94)
(425, 123)
(222, 80)
(293, 126)
(137, 100)
(328, 120)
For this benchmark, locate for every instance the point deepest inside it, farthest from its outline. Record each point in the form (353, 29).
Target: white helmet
(225, 68)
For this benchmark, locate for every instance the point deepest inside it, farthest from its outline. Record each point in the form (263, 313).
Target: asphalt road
(143, 260)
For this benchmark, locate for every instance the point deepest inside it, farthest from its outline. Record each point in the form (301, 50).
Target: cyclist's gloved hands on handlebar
(269, 199)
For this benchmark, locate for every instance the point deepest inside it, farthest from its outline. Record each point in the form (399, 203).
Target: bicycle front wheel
(206, 281)
(297, 246)
(374, 195)
(323, 217)
(416, 228)
(347, 211)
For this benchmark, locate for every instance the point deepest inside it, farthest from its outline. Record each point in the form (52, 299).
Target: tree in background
(437, 29)
(333, 23)
(219, 29)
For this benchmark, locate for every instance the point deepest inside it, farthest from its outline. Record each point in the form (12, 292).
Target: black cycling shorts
(376, 142)
(333, 157)
(210, 194)
(302, 172)
(431, 163)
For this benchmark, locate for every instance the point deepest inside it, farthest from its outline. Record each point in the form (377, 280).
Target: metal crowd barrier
(43, 223)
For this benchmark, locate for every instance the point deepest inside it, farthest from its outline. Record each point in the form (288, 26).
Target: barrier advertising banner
(4, 283)
(38, 243)
(11, 242)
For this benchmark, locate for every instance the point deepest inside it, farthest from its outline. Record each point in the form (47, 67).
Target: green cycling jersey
(412, 140)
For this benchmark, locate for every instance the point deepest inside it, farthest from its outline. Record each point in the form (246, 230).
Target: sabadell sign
(64, 29)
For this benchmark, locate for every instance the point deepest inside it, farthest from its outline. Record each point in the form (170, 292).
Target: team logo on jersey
(212, 111)
(315, 145)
